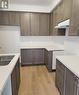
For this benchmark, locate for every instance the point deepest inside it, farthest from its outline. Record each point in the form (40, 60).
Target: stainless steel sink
(5, 60)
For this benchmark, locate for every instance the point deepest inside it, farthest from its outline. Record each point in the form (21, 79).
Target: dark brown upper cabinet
(14, 18)
(25, 24)
(74, 23)
(44, 25)
(35, 24)
(61, 13)
(9, 18)
(67, 7)
(4, 18)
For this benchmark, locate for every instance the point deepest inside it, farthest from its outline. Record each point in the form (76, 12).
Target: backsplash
(71, 44)
(10, 40)
(41, 39)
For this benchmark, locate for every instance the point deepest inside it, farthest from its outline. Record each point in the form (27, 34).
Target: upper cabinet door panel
(4, 18)
(14, 18)
(9, 18)
(74, 24)
(25, 24)
(34, 24)
(67, 5)
(44, 25)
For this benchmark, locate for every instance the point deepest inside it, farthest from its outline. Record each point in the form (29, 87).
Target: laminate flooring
(36, 80)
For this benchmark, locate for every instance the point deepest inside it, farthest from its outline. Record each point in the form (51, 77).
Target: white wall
(9, 39)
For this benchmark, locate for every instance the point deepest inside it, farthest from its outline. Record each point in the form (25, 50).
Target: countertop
(48, 46)
(71, 62)
(5, 71)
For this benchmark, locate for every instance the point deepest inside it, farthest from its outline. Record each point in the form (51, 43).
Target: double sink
(5, 60)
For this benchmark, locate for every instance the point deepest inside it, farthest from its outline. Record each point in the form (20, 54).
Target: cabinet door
(14, 18)
(44, 25)
(15, 79)
(49, 64)
(60, 77)
(70, 83)
(38, 56)
(18, 75)
(78, 88)
(34, 24)
(60, 12)
(4, 18)
(46, 57)
(74, 23)
(14, 82)
(55, 23)
(67, 6)
(25, 24)
(26, 57)
(51, 24)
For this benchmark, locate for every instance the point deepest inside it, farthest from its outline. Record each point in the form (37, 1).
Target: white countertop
(5, 71)
(48, 46)
(71, 62)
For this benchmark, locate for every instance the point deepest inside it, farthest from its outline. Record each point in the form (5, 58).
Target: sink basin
(5, 60)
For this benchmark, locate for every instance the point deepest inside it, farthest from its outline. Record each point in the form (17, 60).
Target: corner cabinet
(32, 56)
(15, 79)
(66, 82)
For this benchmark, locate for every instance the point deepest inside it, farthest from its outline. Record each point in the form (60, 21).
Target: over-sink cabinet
(15, 79)
(66, 82)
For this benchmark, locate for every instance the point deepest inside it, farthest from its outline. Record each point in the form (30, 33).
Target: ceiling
(33, 2)
(32, 5)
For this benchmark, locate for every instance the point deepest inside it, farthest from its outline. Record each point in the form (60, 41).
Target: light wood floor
(37, 80)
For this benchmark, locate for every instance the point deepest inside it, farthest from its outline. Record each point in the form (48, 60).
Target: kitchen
(39, 41)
